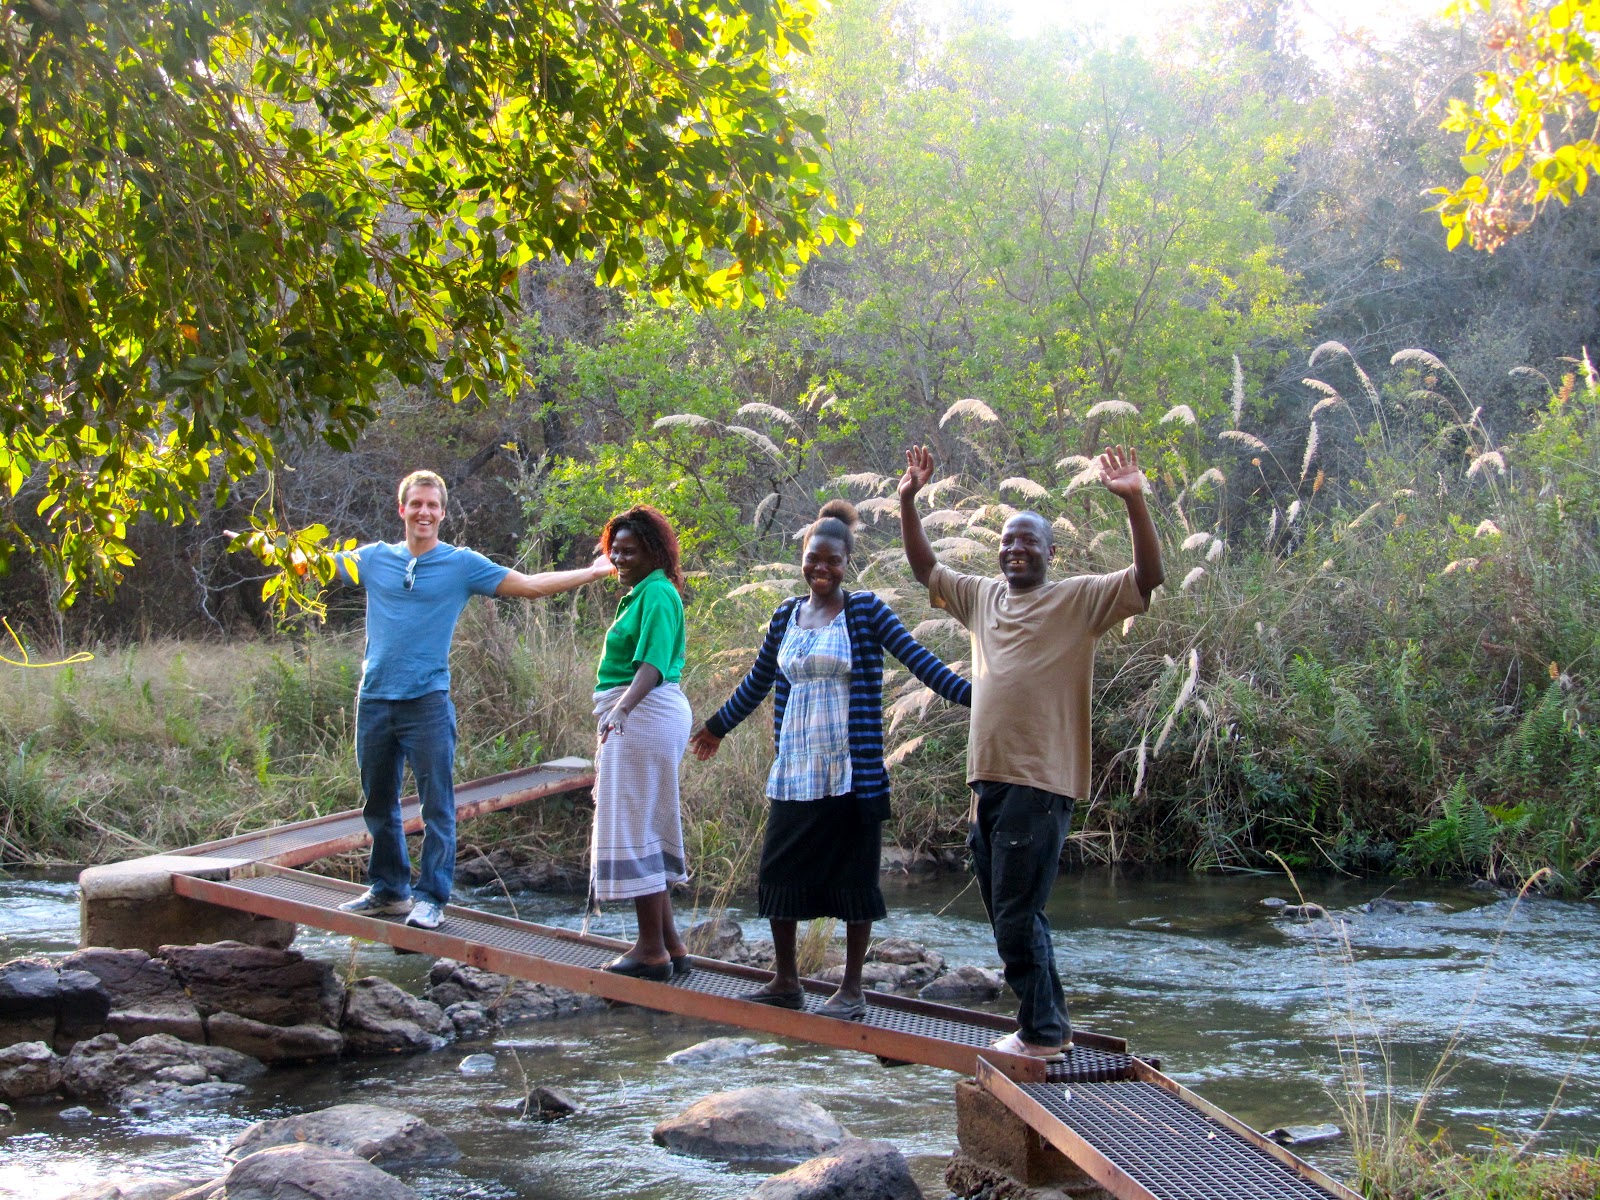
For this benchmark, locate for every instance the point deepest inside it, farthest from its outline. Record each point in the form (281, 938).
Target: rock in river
(855, 1170)
(145, 995)
(137, 1187)
(718, 1049)
(380, 1017)
(506, 1000)
(41, 1003)
(29, 1070)
(545, 1103)
(104, 1067)
(751, 1123)
(304, 1171)
(964, 985)
(1305, 1135)
(384, 1136)
(274, 1043)
(275, 987)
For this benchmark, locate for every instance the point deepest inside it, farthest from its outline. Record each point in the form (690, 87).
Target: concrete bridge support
(1002, 1158)
(132, 906)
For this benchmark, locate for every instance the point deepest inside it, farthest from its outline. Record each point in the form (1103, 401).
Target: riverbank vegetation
(1379, 666)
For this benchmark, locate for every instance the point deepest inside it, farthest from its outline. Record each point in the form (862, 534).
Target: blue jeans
(390, 734)
(1016, 849)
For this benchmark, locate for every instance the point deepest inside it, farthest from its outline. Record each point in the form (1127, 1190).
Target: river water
(1248, 1010)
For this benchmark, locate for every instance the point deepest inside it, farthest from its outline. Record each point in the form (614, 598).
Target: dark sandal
(634, 969)
(843, 1010)
(795, 1000)
(681, 965)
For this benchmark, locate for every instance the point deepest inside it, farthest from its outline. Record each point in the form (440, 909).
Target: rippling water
(1248, 1011)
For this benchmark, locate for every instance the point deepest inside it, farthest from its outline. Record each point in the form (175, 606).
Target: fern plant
(1461, 837)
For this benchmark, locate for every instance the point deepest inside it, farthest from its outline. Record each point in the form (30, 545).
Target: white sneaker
(425, 914)
(370, 904)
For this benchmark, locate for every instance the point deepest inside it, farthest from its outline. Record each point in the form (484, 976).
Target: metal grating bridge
(1135, 1132)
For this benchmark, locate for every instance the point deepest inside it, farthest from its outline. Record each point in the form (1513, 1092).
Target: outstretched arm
(549, 583)
(919, 660)
(919, 553)
(758, 681)
(1119, 471)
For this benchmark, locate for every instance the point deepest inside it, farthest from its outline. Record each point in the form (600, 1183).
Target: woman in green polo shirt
(637, 848)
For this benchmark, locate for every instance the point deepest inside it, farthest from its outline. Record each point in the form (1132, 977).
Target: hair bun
(840, 510)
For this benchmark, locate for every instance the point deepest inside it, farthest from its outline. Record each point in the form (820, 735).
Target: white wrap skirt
(637, 847)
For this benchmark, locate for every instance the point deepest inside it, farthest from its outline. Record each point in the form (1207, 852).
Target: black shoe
(795, 1000)
(634, 969)
(681, 965)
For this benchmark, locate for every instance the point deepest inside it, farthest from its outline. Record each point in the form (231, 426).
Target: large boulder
(29, 995)
(380, 1017)
(751, 1123)
(304, 1172)
(275, 987)
(855, 1170)
(102, 1067)
(29, 1070)
(145, 995)
(383, 1136)
(39, 1002)
(964, 985)
(506, 1000)
(274, 1043)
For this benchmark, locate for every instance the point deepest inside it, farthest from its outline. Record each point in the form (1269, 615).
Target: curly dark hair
(654, 531)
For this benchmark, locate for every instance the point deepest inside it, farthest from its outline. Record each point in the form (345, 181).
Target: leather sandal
(634, 969)
(843, 1010)
(795, 1000)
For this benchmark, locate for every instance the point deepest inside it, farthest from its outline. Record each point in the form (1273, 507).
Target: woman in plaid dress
(823, 655)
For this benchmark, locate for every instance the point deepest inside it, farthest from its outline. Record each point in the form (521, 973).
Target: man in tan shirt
(1028, 747)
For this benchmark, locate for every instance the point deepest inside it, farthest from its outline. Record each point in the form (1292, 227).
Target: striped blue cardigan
(873, 628)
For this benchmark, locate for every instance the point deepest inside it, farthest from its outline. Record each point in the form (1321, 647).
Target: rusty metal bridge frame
(1135, 1132)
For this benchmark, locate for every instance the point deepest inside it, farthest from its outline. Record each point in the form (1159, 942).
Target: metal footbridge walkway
(1136, 1133)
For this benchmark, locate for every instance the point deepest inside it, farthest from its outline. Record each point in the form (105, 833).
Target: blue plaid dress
(813, 759)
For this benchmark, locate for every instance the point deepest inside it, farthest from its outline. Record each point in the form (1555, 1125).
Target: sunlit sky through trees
(1322, 26)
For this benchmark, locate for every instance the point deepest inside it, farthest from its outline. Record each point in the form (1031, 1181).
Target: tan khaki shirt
(1033, 671)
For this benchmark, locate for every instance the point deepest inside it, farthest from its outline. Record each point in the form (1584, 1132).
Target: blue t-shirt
(409, 629)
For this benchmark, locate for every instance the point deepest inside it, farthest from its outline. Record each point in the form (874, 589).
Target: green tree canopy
(224, 223)
(1079, 238)
(1533, 126)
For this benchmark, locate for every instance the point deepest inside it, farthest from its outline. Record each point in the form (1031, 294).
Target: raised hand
(919, 471)
(704, 743)
(1119, 471)
(602, 563)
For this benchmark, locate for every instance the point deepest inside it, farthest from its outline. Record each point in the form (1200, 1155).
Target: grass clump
(1414, 1169)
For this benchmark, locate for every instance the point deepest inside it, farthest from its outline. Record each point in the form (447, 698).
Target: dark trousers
(1016, 845)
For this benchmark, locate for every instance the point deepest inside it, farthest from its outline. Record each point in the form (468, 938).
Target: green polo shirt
(648, 629)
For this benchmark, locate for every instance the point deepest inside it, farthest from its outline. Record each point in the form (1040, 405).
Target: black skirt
(820, 859)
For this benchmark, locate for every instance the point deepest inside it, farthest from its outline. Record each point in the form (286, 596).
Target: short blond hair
(424, 479)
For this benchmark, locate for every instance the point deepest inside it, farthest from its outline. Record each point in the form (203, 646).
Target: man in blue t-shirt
(416, 591)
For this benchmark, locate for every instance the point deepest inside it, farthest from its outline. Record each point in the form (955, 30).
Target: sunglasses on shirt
(411, 574)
